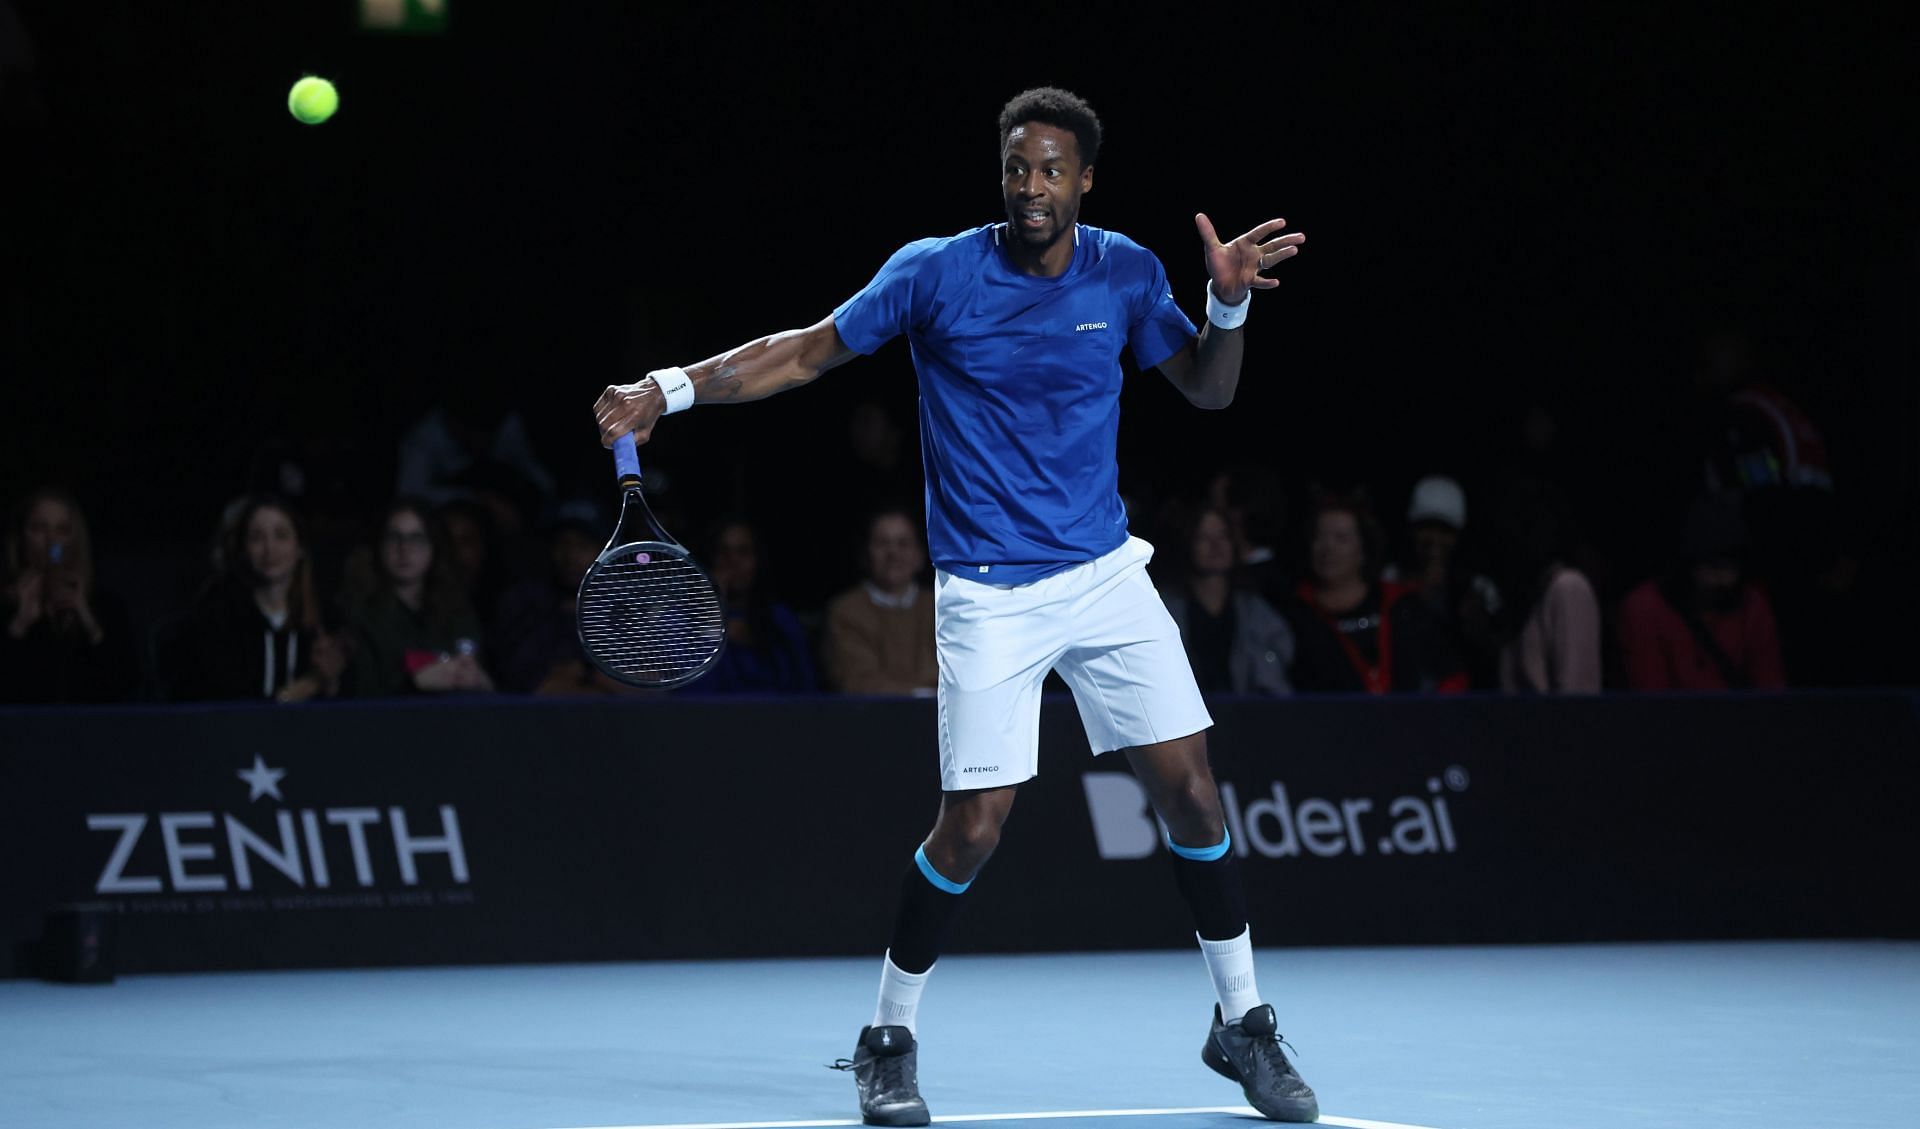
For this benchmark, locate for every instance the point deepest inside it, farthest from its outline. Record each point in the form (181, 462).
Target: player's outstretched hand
(1235, 267)
(629, 407)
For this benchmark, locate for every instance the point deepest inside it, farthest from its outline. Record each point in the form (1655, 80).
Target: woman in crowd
(413, 629)
(1547, 618)
(64, 639)
(1355, 633)
(766, 650)
(256, 632)
(1236, 642)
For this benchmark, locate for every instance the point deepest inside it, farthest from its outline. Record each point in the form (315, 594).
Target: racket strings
(650, 618)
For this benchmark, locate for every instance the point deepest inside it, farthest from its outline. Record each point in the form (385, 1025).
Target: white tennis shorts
(1100, 624)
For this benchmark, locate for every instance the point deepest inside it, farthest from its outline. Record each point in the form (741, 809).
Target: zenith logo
(1086, 325)
(301, 849)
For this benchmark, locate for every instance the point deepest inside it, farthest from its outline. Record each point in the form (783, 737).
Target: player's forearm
(1216, 367)
(757, 369)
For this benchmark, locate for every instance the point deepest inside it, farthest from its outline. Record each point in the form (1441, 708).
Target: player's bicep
(824, 348)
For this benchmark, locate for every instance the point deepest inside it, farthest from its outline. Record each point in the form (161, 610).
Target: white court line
(1050, 1115)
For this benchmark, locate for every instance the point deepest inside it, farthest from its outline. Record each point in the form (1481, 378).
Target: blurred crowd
(463, 582)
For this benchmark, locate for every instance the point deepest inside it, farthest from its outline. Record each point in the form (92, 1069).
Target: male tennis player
(1016, 331)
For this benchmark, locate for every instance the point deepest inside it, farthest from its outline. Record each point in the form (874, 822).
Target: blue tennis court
(1752, 1035)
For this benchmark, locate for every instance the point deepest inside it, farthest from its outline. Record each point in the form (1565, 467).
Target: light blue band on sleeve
(1203, 854)
(933, 876)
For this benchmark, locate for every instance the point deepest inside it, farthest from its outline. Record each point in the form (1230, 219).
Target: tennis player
(1017, 330)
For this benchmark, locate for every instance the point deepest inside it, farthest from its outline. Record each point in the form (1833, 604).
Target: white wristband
(676, 386)
(1223, 315)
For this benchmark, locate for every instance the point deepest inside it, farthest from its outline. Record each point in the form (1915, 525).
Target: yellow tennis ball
(313, 100)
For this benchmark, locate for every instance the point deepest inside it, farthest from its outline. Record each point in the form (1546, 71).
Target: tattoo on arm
(725, 383)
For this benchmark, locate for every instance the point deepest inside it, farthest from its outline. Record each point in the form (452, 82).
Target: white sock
(899, 995)
(1230, 963)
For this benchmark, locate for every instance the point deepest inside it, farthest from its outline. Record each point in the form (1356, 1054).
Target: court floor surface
(1809, 1035)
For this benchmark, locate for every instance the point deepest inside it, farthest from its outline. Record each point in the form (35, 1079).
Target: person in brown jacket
(880, 632)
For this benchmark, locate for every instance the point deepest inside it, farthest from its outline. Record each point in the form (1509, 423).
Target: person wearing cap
(1703, 626)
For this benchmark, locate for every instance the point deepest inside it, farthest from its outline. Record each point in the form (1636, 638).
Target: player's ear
(1086, 180)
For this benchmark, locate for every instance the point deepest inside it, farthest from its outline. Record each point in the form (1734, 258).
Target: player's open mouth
(1033, 218)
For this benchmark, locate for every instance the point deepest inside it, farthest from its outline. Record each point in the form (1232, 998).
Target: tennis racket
(648, 616)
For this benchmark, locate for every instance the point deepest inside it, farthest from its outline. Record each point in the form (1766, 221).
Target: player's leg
(992, 663)
(1135, 691)
(931, 892)
(1179, 782)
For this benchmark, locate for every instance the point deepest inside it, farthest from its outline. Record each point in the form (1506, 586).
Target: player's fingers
(1264, 230)
(1293, 240)
(1265, 283)
(1273, 258)
(1205, 225)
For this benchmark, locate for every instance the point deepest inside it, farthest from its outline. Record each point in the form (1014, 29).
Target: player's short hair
(1062, 109)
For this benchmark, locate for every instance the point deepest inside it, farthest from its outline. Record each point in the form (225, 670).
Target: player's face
(405, 549)
(1042, 179)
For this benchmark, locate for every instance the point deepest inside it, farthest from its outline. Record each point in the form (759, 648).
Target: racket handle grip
(626, 456)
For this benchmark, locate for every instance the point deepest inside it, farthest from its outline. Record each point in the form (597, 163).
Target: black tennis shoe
(1248, 1052)
(885, 1067)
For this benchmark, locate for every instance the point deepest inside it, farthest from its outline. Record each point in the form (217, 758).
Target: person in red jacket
(1704, 627)
(1354, 632)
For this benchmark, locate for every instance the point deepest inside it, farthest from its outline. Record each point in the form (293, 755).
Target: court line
(1050, 1115)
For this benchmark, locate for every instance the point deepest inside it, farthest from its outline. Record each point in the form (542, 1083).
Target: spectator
(1703, 627)
(256, 631)
(1461, 600)
(1547, 619)
(766, 650)
(880, 632)
(413, 629)
(1357, 634)
(1236, 642)
(537, 644)
(65, 640)
(471, 556)
(1254, 503)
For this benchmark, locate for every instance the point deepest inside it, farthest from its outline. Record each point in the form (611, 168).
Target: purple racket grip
(626, 456)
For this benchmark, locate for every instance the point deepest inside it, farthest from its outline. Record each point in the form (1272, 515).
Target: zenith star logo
(1086, 325)
(303, 845)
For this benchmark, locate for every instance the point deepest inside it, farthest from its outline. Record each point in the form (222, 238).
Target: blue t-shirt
(1019, 390)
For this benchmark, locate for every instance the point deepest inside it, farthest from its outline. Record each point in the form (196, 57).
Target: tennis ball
(313, 100)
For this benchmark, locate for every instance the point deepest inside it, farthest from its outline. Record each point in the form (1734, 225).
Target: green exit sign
(410, 17)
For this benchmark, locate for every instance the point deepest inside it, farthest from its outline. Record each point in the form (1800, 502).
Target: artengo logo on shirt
(1086, 325)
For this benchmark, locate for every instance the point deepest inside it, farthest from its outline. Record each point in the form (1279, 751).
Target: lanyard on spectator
(1377, 677)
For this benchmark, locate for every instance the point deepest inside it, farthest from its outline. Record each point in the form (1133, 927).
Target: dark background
(1505, 208)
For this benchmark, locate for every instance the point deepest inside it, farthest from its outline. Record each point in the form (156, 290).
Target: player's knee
(963, 840)
(1192, 812)
(977, 835)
